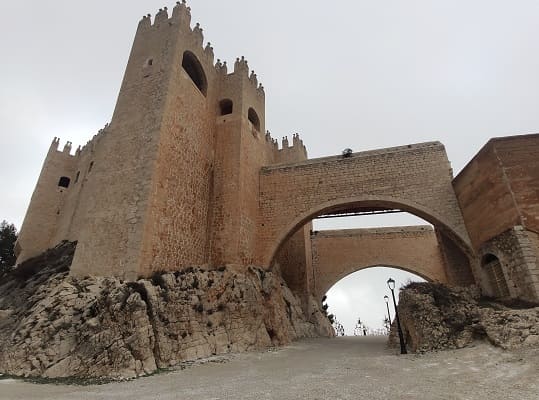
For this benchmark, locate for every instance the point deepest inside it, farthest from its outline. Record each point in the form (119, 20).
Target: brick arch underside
(417, 180)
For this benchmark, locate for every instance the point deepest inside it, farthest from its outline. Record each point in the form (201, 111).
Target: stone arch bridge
(338, 253)
(414, 178)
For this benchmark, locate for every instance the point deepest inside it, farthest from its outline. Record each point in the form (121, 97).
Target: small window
(226, 106)
(253, 117)
(91, 166)
(77, 177)
(150, 62)
(64, 182)
(194, 69)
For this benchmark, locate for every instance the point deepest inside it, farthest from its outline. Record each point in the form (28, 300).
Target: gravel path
(342, 368)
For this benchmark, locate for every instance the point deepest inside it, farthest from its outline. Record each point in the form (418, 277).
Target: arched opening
(225, 107)
(253, 118)
(369, 206)
(64, 182)
(493, 270)
(311, 262)
(194, 69)
(359, 297)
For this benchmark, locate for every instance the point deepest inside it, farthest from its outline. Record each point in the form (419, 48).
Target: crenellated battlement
(288, 152)
(68, 146)
(181, 19)
(239, 79)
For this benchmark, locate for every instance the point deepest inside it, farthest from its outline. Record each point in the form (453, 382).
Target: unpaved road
(342, 368)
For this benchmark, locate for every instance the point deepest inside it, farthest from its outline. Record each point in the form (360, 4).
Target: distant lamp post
(386, 299)
(391, 285)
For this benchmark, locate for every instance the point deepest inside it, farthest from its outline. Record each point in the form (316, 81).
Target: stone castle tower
(172, 180)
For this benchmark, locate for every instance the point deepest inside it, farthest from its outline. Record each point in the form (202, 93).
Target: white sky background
(359, 74)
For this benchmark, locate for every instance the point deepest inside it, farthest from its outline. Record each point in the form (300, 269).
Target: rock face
(54, 325)
(435, 317)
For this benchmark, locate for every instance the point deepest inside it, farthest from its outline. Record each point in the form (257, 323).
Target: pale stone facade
(185, 174)
(498, 192)
(339, 253)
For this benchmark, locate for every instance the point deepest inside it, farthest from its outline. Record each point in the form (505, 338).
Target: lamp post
(391, 285)
(386, 299)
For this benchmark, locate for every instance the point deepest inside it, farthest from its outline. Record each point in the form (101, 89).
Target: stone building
(186, 174)
(498, 192)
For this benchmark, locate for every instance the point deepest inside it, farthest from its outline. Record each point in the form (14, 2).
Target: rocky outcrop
(436, 317)
(53, 325)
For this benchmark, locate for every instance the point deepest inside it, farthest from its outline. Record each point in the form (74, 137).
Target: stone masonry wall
(498, 189)
(339, 253)
(177, 230)
(414, 178)
(516, 249)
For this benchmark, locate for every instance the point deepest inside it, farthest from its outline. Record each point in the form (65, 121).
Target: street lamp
(386, 299)
(391, 285)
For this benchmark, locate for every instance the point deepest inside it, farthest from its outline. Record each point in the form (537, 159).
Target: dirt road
(342, 368)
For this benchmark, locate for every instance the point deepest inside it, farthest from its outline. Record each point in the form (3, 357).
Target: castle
(186, 174)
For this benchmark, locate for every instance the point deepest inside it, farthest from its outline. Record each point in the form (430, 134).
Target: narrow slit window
(77, 176)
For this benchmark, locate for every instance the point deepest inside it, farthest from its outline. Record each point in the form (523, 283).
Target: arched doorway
(360, 296)
(493, 271)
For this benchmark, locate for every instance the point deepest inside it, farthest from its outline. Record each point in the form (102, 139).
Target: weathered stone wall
(339, 253)
(460, 267)
(414, 178)
(498, 188)
(295, 261)
(498, 194)
(44, 213)
(178, 221)
(516, 249)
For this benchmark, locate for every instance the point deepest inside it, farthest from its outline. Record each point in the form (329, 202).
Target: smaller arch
(64, 182)
(323, 288)
(226, 106)
(194, 69)
(493, 269)
(253, 118)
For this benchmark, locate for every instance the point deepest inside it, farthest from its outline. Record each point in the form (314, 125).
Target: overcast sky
(358, 74)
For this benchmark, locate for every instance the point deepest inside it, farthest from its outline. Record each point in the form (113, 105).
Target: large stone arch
(339, 253)
(414, 178)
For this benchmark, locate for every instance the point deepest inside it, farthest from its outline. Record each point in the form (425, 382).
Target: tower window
(91, 166)
(226, 106)
(253, 117)
(194, 69)
(77, 177)
(64, 182)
